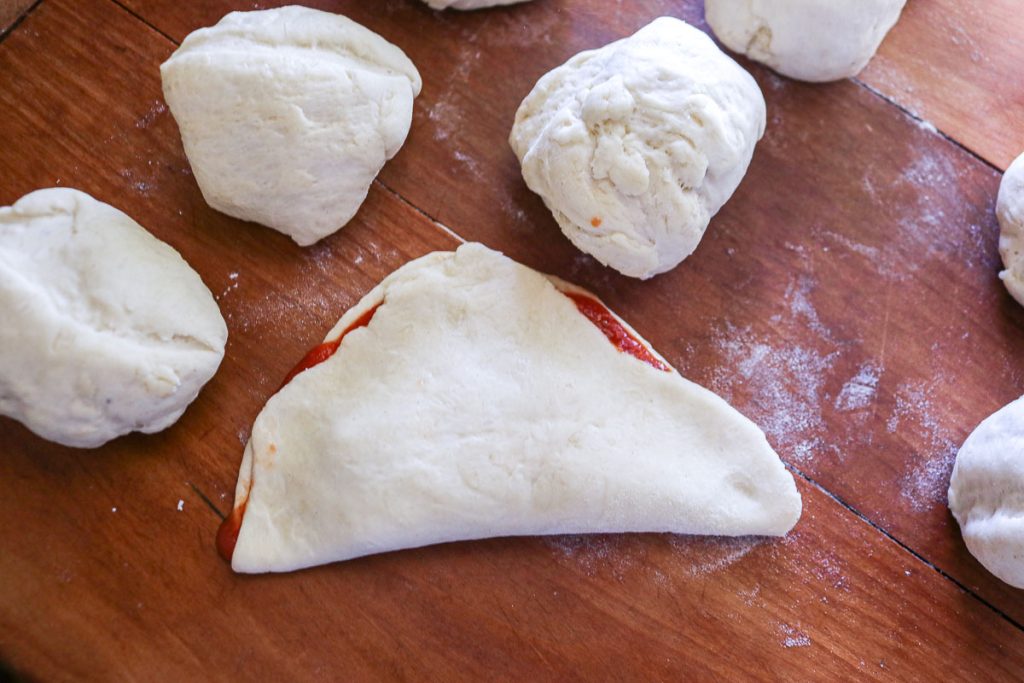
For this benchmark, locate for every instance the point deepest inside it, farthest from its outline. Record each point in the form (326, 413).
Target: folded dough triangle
(470, 398)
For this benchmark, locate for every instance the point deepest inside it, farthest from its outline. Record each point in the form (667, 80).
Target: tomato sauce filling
(318, 354)
(594, 311)
(590, 308)
(227, 534)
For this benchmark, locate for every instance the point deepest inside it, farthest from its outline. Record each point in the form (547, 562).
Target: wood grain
(959, 65)
(845, 299)
(11, 11)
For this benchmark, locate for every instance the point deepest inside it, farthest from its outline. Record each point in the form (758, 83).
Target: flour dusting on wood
(915, 417)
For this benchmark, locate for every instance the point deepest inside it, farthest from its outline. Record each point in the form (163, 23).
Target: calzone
(468, 396)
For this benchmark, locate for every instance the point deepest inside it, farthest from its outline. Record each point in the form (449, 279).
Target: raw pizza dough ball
(106, 330)
(469, 4)
(636, 145)
(287, 115)
(809, 40)
(1010, 211)
(986, 493)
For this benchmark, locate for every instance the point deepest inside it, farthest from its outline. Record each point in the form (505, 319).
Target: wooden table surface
(845, 299)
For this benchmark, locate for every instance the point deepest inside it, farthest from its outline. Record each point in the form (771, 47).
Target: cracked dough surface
(106, 330)
(986, 493)
(287, 115)
(636, 145)
(809, 40)
(1010, 212)
(479, 402)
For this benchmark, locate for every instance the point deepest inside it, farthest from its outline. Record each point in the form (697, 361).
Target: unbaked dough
(986, 493)
(1010, 212)
(809, 40)
(479, 402)
(106, 330)
(636, 145)
(469, 4)
(287, 115)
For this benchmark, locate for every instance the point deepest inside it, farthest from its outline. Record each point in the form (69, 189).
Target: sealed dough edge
(469, 398)
(107, 330)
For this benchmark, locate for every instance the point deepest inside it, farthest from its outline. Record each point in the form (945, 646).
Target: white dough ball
(636, 145)
(287, 115)
(986, 493)
(809, 40)
(106, 330)
(1010, 212)
(469, 4)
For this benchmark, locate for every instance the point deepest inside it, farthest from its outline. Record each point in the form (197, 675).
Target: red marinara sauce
(618, 335)
(227, 534)
(318, 354)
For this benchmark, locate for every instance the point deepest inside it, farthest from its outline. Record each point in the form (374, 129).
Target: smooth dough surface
(479, 402)
(106, 330)
(636, 145)
(469, 4)
(287, 115)
(809, 40)
(1010, 212)
(986, 493)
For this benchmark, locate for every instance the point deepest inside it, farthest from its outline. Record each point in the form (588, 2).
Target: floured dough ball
(1010, 211)
(287, 115)
(986, 493)
(636, 145)
(106, 330)
(809, 40)
(469, 4)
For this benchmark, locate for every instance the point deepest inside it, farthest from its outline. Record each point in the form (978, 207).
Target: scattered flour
(695, 556)
(785, 384)
(829, 569)
(750, 596)
(935, 205)
(596, 553)
(793, 637)
(709, 555)
(139, 183)
(860, 391)
(925, 485)
(181, 505)
(887, 263)
(155, 110)
(230, 288)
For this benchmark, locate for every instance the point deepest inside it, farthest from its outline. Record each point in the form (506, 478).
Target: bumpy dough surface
(809, 40)
(287, 115)
(469, 4)
(106, 330)
(636, 145)
(986, 493)
(1010, 212)
(479, 402)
